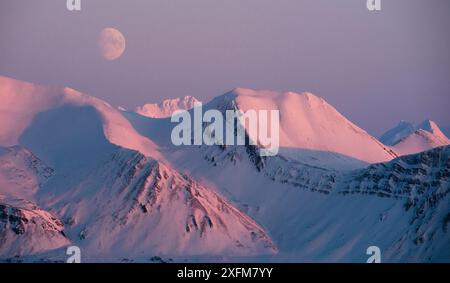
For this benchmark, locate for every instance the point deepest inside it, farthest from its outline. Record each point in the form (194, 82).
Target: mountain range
(409, 138)
(167, 107)
(76, 171)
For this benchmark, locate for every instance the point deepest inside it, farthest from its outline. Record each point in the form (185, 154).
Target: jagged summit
(110, 190)
(408, 138)
(167, 107)
(75, 171)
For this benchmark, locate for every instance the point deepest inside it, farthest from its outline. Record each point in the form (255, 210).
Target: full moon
(111, 43)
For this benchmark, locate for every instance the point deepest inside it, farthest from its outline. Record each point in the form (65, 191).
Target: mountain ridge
(167, 107)
(408, 138)
(84, 166)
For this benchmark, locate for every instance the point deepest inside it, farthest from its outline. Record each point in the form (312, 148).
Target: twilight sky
(375, 68)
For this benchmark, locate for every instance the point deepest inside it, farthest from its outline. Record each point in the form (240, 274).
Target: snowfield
(76, 171)
(408, 138)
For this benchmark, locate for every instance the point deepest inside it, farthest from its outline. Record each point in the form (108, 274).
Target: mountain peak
(307, 122)
(408, 138)
(394, 135)
(432, 127)
(166, 107)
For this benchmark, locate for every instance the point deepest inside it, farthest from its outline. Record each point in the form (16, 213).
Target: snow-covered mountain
(26, 229)
(309, 122)
(301, 185)
(316, 213)
(394, 135)
(423, 180)
(21, 172)
(306, 122)
(133, 205)
(422, 183)
(167, 107)
(76, 171)
(306, 157)
(408, 138)
(116, 195)
(24, 104)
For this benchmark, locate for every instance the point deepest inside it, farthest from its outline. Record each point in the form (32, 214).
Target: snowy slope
(129, 206)
(432, 127)
(21, 172)
(313, 147)
(324, 215)
(26, 229)
(394, 135)
(167, 107)
(408, 138)
(422, 183)
(133, 206)
(309, 122)
(117, 188)
(301, 196)
(25, 103)
(419, 141)
(113, 200)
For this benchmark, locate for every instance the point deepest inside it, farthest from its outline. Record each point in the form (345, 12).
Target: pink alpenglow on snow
(408, 138)
(22, 101)
(262, 127)
(76, 171)
(167, 107)
(309, 122)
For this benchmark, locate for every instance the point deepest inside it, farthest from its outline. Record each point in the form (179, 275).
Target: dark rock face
(424, 176)
(12, 218)
(18, 219)
(421, 180)
(22, 224)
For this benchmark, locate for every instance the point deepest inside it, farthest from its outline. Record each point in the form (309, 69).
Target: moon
(111, 43)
